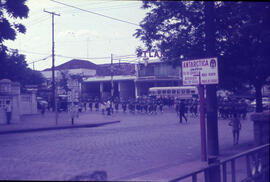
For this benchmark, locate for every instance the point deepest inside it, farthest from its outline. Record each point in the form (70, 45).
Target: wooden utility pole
(53, 69)
(211, 95)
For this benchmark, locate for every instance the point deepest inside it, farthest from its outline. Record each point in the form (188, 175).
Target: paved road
(138, 145)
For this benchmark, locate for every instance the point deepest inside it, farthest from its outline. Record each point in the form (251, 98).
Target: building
(131, 80)
(121, 80)
(21, 103)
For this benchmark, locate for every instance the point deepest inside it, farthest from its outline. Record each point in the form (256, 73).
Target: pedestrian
(43, 108)
(102, 107)
(91, 105)
(8, 109)
(182, 110)
(97, 105)
(236, 127)
(108, 107)
(72, 112)
(124, 106)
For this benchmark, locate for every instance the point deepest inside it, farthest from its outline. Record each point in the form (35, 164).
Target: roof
(174, 87)
(101, 69)
(108, 78)
(118, 69)
(75, 64)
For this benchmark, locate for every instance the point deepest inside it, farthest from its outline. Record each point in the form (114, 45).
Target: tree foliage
(242, 37)
(12, 64)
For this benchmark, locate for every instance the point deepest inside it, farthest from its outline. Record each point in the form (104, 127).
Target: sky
(79, 34)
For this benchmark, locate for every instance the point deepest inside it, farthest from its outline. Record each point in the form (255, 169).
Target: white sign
(204, 70)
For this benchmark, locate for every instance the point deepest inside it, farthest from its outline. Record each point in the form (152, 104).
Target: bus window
(164, 91)
(178, 91)
(183, 91)
(159, 91)
(168, 91)
(173, 91)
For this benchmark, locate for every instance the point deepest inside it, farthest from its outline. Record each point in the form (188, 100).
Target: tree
(14, 9)
(241, 38)
(15, 68)
(13, 64)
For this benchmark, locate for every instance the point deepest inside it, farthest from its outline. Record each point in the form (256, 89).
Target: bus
(182, 92)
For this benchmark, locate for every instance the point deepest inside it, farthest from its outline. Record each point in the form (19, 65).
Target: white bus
(183, 92)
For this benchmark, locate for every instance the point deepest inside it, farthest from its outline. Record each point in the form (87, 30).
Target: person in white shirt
(108, 107)
(8, 110)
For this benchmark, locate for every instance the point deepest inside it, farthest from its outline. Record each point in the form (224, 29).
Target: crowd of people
(144, 104)
(154, 105)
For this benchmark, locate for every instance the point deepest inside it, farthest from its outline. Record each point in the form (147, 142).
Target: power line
(40, 59)
(30, 52)
(93, 58)
(95, 13)
(58, 55)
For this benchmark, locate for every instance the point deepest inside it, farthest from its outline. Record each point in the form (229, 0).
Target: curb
(58, 127)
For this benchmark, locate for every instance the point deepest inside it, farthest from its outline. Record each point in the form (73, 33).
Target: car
(265, 103)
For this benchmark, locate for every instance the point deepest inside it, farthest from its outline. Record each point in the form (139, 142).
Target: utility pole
(87, 47)
(53, 69)
(211, 97)
(112, 89)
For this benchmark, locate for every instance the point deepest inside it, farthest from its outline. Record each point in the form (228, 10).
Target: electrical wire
(40, 59)
(95, 13)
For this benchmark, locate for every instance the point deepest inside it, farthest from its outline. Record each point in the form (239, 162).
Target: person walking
(182, 110)
(91, 105)
(102, 107)
(8, 110)
(43, 108)
(108, 107)
(236, 127)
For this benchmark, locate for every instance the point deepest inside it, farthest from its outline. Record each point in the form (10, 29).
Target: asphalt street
(138, 145)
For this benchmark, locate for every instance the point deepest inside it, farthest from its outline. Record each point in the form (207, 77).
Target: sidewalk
(37, 122)
(174, 171)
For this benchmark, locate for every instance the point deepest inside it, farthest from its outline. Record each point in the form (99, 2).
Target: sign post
(202, 121)
(200, 72)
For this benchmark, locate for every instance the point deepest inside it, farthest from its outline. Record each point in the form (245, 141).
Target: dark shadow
(95, 176)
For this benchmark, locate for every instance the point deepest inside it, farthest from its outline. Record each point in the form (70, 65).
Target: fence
(248, 166)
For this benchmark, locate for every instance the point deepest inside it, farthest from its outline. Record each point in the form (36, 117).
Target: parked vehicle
(265, 103)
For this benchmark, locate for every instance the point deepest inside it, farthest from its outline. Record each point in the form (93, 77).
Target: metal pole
(202, 120)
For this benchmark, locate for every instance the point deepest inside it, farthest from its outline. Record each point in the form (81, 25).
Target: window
(164, 91)
(173, 91)
(169, 91)
(159, 91)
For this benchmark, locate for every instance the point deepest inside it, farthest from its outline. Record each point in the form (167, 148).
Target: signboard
(204, 71)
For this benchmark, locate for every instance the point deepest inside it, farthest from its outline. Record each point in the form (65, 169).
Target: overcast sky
(78, 34)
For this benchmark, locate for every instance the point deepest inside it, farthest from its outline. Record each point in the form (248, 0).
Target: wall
(127, 89)
(28, 104)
